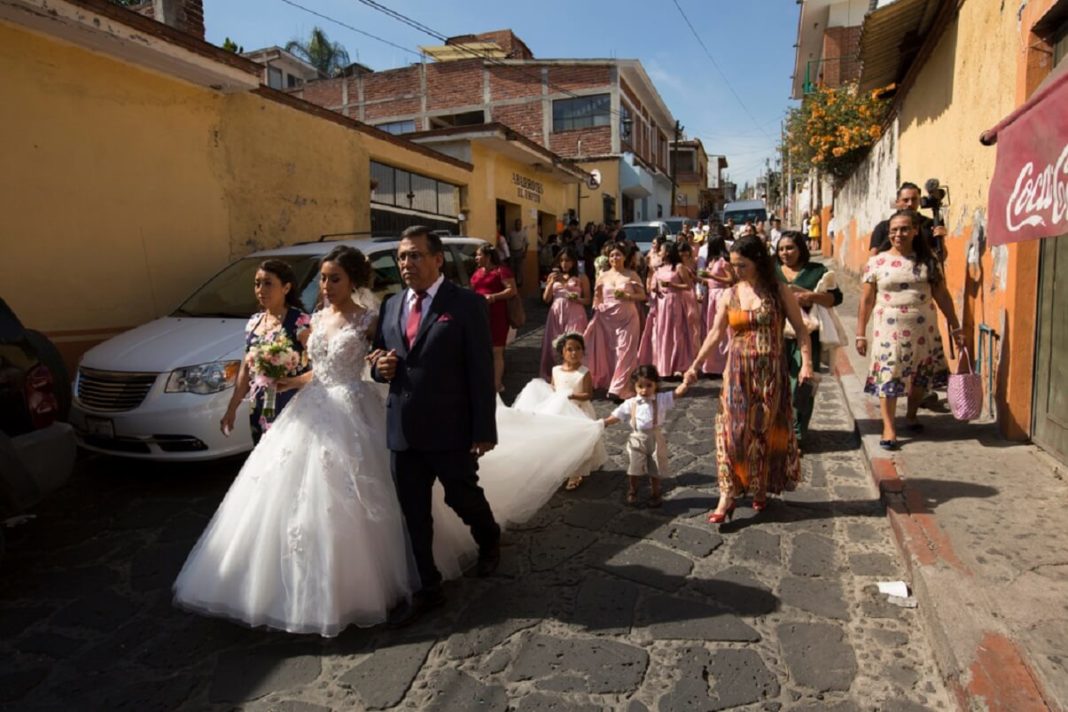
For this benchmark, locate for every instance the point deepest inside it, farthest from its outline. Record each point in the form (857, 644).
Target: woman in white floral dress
(901, 288)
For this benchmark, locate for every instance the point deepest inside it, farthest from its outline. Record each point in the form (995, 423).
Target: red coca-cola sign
(1029, 191)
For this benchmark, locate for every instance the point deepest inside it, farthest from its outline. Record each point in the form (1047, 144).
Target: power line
(350, 27)
(716, 65)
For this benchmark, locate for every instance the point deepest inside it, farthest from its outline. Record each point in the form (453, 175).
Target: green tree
(330, 58)
(230, 46)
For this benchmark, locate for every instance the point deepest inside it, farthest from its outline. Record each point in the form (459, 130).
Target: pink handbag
(965, 390)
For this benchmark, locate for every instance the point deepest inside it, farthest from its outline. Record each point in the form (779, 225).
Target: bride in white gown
(310, 537)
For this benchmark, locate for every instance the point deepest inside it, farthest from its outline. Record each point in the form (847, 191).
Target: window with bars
(413, 191)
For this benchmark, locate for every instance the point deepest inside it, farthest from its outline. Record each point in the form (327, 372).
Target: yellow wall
(959, 94)
(111, 197)
(124, 189)
(692, 208)
(491, 181)
(592, 203)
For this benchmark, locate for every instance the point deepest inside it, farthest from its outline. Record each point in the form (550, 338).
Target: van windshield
(229, 294)
(741, 216)
(641, 233)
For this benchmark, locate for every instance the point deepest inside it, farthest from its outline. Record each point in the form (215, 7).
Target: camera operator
(908, 198)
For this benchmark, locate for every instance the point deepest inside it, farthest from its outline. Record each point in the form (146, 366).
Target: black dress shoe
(422, 602)
(488, 561)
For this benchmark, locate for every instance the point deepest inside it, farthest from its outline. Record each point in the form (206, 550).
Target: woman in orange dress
(756, 448)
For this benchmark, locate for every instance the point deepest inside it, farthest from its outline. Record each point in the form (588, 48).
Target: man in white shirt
(517, 246)
(776, 233)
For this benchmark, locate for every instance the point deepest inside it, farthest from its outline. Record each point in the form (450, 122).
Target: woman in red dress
(496, 283)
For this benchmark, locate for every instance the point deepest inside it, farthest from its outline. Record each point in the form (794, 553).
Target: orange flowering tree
(833, 129)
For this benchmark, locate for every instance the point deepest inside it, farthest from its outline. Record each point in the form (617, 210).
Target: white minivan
(157, 392)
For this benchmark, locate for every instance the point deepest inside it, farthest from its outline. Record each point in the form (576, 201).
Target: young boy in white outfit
(646, 445)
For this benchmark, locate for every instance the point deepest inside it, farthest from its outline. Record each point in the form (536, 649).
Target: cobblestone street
(596, 606)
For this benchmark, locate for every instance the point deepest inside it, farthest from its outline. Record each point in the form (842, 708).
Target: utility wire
(716, 65)
(350, 27)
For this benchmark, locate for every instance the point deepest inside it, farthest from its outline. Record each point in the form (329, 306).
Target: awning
(890, 38)
(1029, 190)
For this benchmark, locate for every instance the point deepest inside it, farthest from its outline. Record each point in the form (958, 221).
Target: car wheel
(51, 358)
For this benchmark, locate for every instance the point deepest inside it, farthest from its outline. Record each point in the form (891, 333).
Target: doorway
(1050, 426)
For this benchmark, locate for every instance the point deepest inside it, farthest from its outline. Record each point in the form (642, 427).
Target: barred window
(413, 191)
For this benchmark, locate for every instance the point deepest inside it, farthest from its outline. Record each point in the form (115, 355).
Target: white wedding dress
(310, 537)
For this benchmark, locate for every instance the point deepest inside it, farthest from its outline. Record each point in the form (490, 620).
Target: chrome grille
(113, 391)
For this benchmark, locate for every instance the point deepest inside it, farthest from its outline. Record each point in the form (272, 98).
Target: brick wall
(524, 118)
(514, 47)
(595, 142)
(453, 84)
(324, 93)
(514, 82)
(841, 47)
(579, 77)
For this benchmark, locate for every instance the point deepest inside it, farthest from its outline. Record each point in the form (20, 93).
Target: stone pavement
(981, 524)
(597, 605)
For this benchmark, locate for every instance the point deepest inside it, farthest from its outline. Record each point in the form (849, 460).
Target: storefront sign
(527, 188)
(1029, 191)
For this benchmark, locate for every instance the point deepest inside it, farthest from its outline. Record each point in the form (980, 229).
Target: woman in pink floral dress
(901, 288)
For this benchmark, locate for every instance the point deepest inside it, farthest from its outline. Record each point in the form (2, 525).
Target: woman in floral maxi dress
(756, 448)
(901, 287)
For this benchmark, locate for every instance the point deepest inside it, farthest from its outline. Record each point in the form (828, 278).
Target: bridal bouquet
(268, 361)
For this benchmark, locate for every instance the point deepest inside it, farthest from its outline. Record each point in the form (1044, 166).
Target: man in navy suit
(433, 347)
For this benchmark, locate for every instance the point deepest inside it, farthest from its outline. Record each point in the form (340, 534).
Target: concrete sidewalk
(981, 524)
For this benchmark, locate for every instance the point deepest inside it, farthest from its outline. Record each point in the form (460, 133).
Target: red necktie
(415, 315)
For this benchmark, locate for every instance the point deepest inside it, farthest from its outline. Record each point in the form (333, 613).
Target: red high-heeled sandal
(720, 517)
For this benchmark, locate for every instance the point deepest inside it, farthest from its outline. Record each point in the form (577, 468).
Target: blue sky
(752, 43)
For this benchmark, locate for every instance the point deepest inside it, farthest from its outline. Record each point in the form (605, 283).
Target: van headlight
(203, 379)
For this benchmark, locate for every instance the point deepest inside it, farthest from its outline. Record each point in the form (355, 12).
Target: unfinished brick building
(605, 114)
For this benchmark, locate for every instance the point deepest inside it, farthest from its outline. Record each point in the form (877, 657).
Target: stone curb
(982, 664)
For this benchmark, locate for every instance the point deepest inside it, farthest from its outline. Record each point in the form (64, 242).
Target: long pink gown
(612, 344)
(673, 335)
(648, 338)
(565, 315)
(717, 359)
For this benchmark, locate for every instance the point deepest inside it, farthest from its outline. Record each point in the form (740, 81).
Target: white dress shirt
(665, 400)
(409, 300)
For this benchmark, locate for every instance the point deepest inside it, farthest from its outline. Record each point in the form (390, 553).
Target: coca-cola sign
(1029, 191)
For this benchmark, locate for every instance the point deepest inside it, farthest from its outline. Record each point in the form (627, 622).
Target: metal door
(1050, 428)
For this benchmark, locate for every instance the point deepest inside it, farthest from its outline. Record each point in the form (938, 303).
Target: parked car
(37, 448)
(157, 392)
(643, 233)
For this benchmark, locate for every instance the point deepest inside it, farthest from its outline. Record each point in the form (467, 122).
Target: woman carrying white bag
(817, 293)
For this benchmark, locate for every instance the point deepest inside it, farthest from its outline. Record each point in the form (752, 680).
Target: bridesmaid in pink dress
(613, 334)
(694, 310)
(718, 276)
(655, 259)
(674, 341)
(569, 293)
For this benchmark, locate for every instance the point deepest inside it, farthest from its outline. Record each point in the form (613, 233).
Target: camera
(937, 197)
